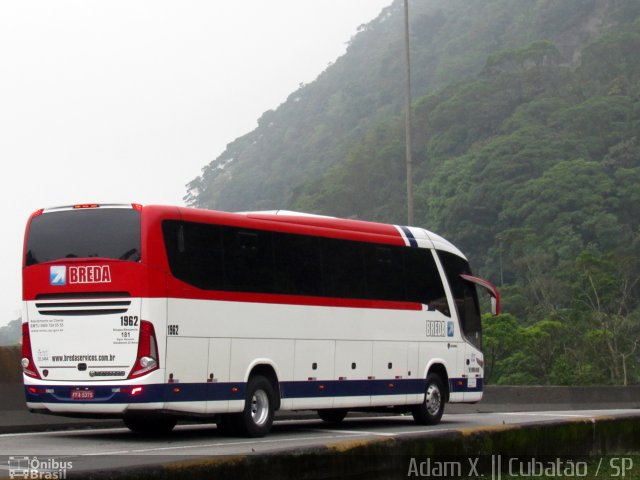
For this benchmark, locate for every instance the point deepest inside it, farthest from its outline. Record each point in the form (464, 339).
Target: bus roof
(415, 236)
(438, 242)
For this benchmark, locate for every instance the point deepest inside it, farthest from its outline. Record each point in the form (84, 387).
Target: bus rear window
(100, 232)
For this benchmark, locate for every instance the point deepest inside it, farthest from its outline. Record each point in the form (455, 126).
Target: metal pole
(407, 117)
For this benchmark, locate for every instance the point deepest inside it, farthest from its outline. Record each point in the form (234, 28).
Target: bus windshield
(97, 232)
(465, 296)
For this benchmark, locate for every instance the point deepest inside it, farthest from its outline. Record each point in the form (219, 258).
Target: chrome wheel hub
(433, 400)
(259, 407)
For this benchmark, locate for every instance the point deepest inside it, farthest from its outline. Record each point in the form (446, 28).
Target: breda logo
(58, 275)
(90, 274)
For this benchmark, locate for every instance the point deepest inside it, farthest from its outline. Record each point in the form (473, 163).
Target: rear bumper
(107, 399)
(117, 400)
(114, 410)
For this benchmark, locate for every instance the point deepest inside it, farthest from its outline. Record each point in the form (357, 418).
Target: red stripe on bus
(186, 292)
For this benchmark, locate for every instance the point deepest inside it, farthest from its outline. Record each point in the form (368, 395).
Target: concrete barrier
(567, 395)
(11, 396)
(531, 398)
(404, 456)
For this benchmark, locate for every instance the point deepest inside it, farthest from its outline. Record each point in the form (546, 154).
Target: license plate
(83, 394)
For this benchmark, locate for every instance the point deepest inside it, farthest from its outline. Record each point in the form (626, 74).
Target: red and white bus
(153, 313)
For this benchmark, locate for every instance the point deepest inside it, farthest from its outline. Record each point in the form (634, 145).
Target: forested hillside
(527, 153)
(11, 334)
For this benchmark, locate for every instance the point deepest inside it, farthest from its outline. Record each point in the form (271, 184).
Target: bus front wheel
(430, 411)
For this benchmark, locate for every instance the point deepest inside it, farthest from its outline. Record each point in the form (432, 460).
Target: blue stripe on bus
(200, 392)
(407, 232)
(350, 388)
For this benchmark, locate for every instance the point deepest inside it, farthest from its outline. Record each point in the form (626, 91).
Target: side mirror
(487, 287)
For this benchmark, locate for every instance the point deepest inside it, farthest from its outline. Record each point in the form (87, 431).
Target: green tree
(606, 291)
(500, 338)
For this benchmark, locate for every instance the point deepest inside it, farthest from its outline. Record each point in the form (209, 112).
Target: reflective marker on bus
(153, 313)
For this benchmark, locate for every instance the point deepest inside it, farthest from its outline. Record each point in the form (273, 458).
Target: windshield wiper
(128, 254)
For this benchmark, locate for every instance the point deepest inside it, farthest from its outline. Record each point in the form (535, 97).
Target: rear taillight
(28, 366)
(147, 358)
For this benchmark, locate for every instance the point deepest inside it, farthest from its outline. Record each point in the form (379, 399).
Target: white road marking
(252, 443)
(58, 432)
(357, 432)
(549, 414)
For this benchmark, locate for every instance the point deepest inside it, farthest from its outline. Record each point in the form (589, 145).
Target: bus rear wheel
(430, 411)
(259, 408)
(150, 424)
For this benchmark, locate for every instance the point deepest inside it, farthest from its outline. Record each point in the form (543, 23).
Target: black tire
(259, 407)
(150, 424)
(332, 415)
(430, 411)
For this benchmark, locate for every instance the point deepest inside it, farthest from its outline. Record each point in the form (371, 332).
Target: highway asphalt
(109, 448)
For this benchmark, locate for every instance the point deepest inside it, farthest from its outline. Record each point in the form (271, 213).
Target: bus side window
(180, 239)
(423, 282)
(384, 272)
(248, 260)
(194, 252)
(343, 269)
(297, 259)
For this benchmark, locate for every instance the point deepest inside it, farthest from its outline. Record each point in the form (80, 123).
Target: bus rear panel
(86, 342)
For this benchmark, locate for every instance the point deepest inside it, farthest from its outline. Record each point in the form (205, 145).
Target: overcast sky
(126, 101)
